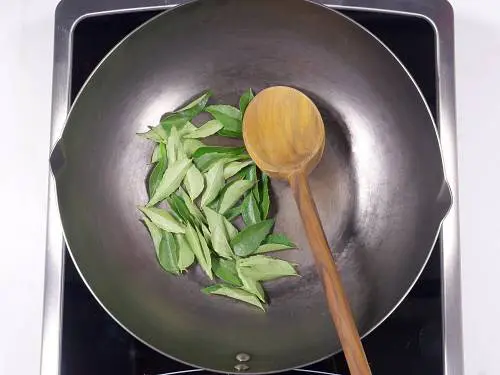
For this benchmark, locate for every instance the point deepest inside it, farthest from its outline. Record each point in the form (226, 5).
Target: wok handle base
(338, 304)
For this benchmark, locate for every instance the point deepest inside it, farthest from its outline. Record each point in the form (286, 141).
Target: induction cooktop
(422, 336)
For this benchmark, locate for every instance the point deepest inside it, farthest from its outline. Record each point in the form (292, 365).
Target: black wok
(380, 187)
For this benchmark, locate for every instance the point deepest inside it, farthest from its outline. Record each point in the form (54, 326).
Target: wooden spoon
(285, 136)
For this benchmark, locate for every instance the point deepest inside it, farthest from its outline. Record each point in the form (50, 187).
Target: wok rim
(445, 195)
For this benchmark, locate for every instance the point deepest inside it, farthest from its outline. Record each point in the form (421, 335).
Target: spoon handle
(337, 300)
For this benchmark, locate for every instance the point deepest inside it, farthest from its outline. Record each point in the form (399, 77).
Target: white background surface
(26, 41)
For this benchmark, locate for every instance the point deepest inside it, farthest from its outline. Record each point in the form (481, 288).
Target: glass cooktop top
(408, 342)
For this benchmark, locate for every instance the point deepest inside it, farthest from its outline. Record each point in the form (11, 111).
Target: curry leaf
(225, 269)
(178, 206)
(233, 292)
(265, 200)
(173, 145)
(264, 268)
(249, 283)
(168, 253)
(248, 240)
(204, 157)
(158, 170)
(155, 232)
(275, 242)
(206, 253)
(219, 237)
(245, 100)
(250, 210)
(191, 206)
(191, 146)
(194, 182)
(170, 181)
(186, 255)
(230, 229)
(155, 133)
(233, 212)
(209, 128)
(229, 116)
(233, 193)
(214, 183)
(156, 156)
(230, 169)
(252, 176)
(163, 219)
(194, 108)
(199, 252)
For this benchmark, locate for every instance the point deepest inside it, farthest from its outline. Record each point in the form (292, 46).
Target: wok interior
(379, 187)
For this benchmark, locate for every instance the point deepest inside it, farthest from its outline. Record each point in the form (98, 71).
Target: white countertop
(26, 40)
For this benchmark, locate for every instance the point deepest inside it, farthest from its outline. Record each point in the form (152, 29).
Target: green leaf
(168, 253)
(191, 146)
(209, 128)
(155, 232)
(194, 182)
(155, 133)
(225, 269)
(264, 268)
(252, 176)
(170, 181)
(186, 255)
(229, 116)
(235, 293)
(156, 156)
(163, 219)
(248, 240)
(174, 148)
(233, 194)
(265, 200)
(230, 229)
(233, 212)
(206, 254)
(275, 242)
(214, 183)
(195, 107)
(219, 237)
(245, 100)
(250, 210)
(179, 207)
(230, 169)
(186, 129)
(192, 207)
(250, 284)
(158, 170)
(199, 252)
(205, 157)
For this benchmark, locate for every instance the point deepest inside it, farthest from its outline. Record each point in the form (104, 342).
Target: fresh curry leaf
(178, 206)
(205, 157)
(168, 253)
(235, 293)
(155, 133)
(248, 240)
(199, 252)
(194, 182)
(158, 170)
(209, 128)
(229, 116)
(250, 210)
(225, 269)
(206, 253)
(253, 176)
(163, 219)
(264, 268)
(245, 100)
(191, 146)
(230, 229)
(155, 232)
(186, 255)
(233, 212)
(214, 183)
(171, 180)
(265, 200)
(230, 169)
(195, 107)
(219, 237)
(192, 207)
(233, 193)
(250, 284)
(275, 242)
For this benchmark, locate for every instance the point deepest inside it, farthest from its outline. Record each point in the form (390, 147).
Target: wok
(380, 187)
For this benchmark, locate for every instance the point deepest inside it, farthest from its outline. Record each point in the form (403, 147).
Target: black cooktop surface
(408, 342)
